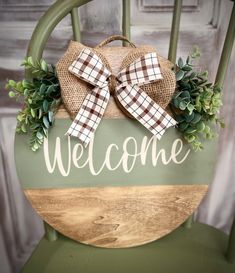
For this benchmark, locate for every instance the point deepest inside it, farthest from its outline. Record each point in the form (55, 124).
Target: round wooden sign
(125, 189)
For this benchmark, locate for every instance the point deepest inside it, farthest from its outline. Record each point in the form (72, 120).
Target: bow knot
(112, 83)
(126, 88)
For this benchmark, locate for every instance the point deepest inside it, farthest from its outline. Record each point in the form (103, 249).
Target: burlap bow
(89, 67)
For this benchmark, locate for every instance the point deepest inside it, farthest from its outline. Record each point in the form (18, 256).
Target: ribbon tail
(89, 115)
(145, 110)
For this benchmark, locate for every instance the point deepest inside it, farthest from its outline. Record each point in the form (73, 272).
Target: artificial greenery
(41, 96)
(196, 102)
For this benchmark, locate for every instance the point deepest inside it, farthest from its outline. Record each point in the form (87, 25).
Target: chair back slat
(126, 21)
(75, 25)
(175, 31)
(227, 51)
(47, 23)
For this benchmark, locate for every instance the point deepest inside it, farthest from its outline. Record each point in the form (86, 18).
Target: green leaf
(50, 116)
(180, 62)
(200, 126)
(179, 119)
(195, 52)
(50, 89)
(190, 108)
(45, 105)
(190, 130)
(175, 102)
(46, 122)
(42, 88)
(33, 112)
(12, 83)
(189, 118)
(179, 75)
(35, 126)
(26, 92)
(187, 68)
(185, 94)
(190, 138)
(20, 117)
(193, 75)
(40, 113)
(23, 128)
(25, 83)
(39, 135)
(188, 60)
(182, 105)
(183, 126)
(44, 66)
(30, 61)
(12, 94)
(196, 119)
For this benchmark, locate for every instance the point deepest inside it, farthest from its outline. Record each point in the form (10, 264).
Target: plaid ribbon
(89, 67)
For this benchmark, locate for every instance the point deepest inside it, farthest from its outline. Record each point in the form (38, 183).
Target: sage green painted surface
(197, 250)
(231, 245)
(75, 25)
(50, 233)
(196, 169)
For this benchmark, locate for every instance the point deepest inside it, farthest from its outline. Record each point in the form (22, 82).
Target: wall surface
(203, 23)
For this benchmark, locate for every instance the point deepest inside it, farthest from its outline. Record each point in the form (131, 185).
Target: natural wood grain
(116, 216)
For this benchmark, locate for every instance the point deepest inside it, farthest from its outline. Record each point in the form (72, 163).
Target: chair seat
(195, 250)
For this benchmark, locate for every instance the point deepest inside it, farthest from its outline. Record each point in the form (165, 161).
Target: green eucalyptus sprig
(41, 96)
(196, 102)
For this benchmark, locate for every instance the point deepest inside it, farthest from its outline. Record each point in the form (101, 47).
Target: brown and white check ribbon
(89, 67)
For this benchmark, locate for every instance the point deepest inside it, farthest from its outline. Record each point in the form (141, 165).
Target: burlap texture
(73, 90)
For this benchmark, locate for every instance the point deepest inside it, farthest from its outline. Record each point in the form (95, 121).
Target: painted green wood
(75, 25)
(126, 20)
(50, 233)
(175, 31)
(195, 250)
(189, 222)
(227, 50)
(48, 22)
(127, 157)
(231, 245)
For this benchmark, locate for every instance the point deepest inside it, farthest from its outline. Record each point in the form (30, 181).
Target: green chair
(192, 248)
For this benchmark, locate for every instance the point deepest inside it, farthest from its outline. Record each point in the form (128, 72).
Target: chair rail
(48, 22)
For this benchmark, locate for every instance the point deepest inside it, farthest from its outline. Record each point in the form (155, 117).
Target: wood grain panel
(114, 217)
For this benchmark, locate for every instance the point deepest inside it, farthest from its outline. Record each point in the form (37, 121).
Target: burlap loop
(115, 38)
(74, 90)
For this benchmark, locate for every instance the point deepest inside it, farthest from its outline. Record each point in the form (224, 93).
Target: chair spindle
(189, 222)
(175, 31)
(50, 233)
(75, 25)
(126, 20)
